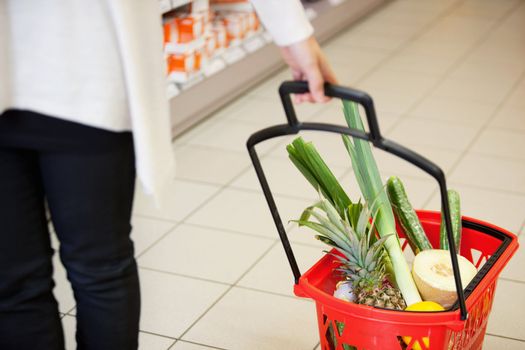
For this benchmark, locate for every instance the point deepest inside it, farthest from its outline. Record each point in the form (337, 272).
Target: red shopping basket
(348, 326)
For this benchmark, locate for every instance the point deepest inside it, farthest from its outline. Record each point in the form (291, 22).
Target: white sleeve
(285, 20)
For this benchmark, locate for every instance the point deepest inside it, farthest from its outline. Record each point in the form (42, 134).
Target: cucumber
(455, 216)
(406, 215)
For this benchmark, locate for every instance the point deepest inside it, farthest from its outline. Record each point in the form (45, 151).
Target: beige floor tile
(500, 49)
(182, 198)
(69, 324)
(205, 253)
(498, 343)
(198, 129)
(510, 117)
(387, 29)
(228, 135)
(409, 12)
(350, 55)
(269, 87)
(454, 111)
(412, 132)
(182, 345)
(392, 102)
(460, 29)
(351, 73)
(418, 8)
(500, 143)
(514, 269)
(499, 208)
(303, 111)
(399, 82)
(517, 97)
(392, 165)
(418, 190)
(491, 173)
(304, 236)
(266, 112)
(246, 212)
(246, 319)
(333, 114)
(283, 178)
(206, 164)
(62, 291)
(487, 68)
(484, 9)
(273, 272)
(508, 305)
(490, 92)
(438, 49)
(419, 63)
(170, 304)
(154, 342)
(146, 231)
(370, 41)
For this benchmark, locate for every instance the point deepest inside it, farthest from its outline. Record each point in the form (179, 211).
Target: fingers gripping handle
(300, 87)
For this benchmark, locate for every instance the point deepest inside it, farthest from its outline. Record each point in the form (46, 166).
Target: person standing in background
(82, 109)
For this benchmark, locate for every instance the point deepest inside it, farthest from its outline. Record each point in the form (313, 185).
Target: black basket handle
(374, 136)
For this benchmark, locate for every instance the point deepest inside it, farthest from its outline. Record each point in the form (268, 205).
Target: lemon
(425, 306)
(422, 306)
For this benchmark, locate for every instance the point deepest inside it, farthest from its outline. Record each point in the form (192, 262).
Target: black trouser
(87, 176)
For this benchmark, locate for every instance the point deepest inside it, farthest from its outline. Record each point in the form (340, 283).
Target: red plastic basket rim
(449, 317)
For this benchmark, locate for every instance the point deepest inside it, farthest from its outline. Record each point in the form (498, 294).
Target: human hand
(307, 62)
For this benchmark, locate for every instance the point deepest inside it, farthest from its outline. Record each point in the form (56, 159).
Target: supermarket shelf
(204, 95)
(168, 5)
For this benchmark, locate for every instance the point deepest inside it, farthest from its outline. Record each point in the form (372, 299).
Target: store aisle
(448, 80)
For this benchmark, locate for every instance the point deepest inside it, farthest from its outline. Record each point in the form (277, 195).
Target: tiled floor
(448, 79)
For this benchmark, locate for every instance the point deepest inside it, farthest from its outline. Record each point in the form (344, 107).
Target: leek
(309, 162)
(369, 180)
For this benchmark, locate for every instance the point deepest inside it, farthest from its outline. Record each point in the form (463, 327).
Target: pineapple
(362, 257)
(363, 264)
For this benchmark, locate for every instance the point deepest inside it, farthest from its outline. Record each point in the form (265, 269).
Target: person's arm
(286, 22)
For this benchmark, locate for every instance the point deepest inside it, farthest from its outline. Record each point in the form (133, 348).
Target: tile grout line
(157, 334)
(512, 280)
(504, 337)
(156, 218)
(226, 292)
(478, 134)
(162, 236)
(178, 274)
(496, 24)
(195, 343)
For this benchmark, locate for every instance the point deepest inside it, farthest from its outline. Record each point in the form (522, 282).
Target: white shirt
(99, 63)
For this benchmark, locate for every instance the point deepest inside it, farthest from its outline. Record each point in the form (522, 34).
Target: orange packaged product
(235, 27)
(181, 62)
(170, 31)
(219, 29)
(200, 58)
(190, 27)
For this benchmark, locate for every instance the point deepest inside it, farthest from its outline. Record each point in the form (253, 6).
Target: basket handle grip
(294, 126)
